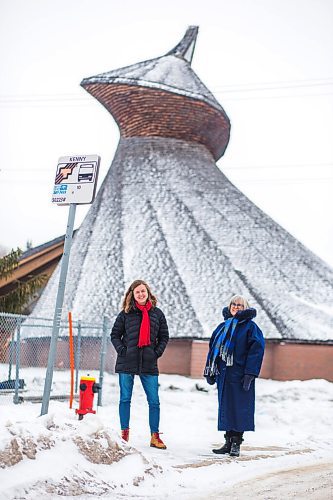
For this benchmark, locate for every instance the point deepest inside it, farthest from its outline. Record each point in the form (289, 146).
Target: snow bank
(58, 456)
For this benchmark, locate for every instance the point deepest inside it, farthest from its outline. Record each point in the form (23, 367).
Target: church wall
(282, 360)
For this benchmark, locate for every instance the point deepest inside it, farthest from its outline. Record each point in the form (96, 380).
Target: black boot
(225, 448)
(235, 446)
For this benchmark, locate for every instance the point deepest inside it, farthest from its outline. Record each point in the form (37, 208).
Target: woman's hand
(247, 381)
(210, 379)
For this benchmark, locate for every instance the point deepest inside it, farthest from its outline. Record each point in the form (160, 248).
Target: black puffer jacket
(125, 336)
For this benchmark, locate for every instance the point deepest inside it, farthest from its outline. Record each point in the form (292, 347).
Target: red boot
(125, 434)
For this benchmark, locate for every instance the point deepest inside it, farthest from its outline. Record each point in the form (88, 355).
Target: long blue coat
(236, 406)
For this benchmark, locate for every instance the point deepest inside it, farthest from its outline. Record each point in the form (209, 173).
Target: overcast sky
(268, 62)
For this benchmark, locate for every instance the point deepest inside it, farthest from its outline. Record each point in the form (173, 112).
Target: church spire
(163, 97)
(185, 48)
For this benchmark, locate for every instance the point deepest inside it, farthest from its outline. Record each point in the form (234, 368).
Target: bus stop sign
(76, 180)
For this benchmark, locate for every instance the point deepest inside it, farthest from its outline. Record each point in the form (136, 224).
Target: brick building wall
(177, 359)
(290, 361)
(282, 360)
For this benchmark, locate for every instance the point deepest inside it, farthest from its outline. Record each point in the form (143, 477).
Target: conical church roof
(171, 72)
(164, 97)
(166, 213)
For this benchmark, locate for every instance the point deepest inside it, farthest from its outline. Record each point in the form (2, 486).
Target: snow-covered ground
(289, 456)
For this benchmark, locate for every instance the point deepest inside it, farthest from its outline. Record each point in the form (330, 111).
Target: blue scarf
(222, 346)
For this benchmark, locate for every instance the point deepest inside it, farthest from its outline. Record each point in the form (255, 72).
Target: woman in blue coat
(236, 351)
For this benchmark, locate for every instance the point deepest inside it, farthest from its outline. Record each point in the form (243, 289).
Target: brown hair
(129, 303)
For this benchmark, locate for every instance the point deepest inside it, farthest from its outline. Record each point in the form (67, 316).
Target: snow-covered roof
(171, 72)
(166, 213)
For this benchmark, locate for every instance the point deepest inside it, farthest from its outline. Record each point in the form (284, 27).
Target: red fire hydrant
(88, 387)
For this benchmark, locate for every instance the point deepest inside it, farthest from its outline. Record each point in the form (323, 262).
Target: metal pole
(78, 355)
(58, 309)
(102, 359)
(11, 355)
(18, 361)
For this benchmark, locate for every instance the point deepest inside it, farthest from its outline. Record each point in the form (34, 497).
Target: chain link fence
(24, 351)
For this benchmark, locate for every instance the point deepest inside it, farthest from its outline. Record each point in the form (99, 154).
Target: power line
(283, 181)
(71, 99)
(241, 180)
(270, 97)
(27, 170)
(297, 165)
(247, 87)
(327, 79)
(221, 166)
(41, 97)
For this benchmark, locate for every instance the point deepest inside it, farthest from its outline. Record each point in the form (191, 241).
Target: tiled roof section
(144, 83)
(139, 113)
(169, 73)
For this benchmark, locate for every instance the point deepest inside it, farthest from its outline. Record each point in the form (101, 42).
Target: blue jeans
(150, 386)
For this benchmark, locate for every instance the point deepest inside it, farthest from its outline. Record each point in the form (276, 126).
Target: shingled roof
(171, 72)
(141, 97)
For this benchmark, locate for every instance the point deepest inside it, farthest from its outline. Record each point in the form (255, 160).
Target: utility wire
(221, 166)
(70, 99)
(272, 86)
(241, 180)
(298, 165)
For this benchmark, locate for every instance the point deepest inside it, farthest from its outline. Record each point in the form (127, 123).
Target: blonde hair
(242, 299)
(129, 302)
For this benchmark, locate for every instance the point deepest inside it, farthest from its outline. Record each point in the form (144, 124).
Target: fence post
(11, 355)
(18, 361)
(102, 359)
(77, 355)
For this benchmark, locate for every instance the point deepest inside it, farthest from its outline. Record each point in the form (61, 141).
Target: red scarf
(144, 335)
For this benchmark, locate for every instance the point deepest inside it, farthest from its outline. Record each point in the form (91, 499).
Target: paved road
(313, 482)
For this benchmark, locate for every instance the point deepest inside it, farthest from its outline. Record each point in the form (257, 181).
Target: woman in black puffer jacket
(139, 335)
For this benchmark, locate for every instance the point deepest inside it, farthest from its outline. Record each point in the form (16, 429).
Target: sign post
(75, 184)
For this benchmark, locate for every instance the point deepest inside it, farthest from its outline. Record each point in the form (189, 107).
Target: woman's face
(236, 306)
(140, 294)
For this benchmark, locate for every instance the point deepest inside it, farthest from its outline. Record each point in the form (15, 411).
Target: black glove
(210, 379)
(247, 380)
